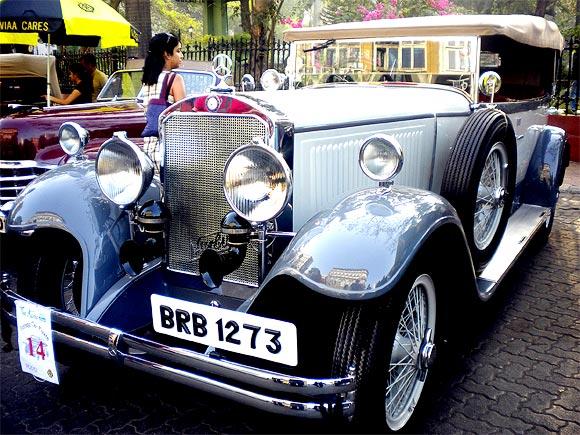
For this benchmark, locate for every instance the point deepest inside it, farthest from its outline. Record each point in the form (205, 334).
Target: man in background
(89, 62)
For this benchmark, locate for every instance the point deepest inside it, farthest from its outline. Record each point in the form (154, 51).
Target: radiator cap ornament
(222, 68)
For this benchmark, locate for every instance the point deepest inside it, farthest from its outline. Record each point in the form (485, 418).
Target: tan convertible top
(534, 31)
(17, 65)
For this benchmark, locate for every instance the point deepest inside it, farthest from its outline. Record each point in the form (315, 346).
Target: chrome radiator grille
(15, 175)
(196, 149)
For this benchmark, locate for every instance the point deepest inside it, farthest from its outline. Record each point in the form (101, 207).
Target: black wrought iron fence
(567, 78)
(248, 56)
(108, 61)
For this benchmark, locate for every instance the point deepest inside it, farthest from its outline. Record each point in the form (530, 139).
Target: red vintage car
(29, 143)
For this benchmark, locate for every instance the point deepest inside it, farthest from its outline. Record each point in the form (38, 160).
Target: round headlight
(124, 172)
(381, 157)
(72, 138)
(272, 80)
(257, 182)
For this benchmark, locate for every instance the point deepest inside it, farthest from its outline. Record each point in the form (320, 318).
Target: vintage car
(302, 251)
(23, 80)
(29, 144)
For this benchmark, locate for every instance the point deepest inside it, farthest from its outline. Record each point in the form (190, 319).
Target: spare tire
(479, 180)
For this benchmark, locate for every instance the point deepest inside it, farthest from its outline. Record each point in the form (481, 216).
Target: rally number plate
(265, 338)
(35, 345)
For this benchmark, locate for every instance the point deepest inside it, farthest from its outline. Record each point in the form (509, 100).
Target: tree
(260, 21)
(340, 11)
(138, 13)
(545, 7)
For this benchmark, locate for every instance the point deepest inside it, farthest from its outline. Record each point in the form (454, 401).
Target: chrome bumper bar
(233, 380)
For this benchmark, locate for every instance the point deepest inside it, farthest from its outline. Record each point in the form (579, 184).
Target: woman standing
(83, 87)
(163, 56)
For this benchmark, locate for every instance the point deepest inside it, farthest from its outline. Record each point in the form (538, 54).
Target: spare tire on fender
(479, 180)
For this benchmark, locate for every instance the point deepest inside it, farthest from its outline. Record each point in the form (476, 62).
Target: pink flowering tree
(404, 8)
(295, 24)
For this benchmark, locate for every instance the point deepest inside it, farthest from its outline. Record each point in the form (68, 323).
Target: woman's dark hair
(154, 62)
(86, 79)
(81, 73)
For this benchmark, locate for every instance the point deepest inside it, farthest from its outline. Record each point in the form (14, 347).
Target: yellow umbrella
(88, 23)
(66, 22)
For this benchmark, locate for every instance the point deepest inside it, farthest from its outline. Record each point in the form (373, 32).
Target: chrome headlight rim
(386, 140)
(272, 80)
(147, 168)
(81, 138)
(259, 145)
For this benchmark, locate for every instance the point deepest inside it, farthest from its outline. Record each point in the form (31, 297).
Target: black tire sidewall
(499, 135)
(463, 196)
(368, 348)
(43, 281)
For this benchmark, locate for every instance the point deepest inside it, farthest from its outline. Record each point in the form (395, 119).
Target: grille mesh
(16, 175)
(196, 149)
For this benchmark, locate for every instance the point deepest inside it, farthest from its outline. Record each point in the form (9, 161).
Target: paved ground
(520, 371)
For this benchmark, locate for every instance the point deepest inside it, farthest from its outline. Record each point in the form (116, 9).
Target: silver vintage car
(303, 251)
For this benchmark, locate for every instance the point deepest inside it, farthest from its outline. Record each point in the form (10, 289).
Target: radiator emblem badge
(216, 241)
(212, 103)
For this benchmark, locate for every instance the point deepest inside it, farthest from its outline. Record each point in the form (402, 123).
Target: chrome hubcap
(426, 355)
(413, 351)
(491, 194)
(68, 284)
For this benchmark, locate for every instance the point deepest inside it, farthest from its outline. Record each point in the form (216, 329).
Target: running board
(521, 227)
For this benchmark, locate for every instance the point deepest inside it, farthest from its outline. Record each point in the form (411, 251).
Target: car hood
(317, 107)
(33, 135)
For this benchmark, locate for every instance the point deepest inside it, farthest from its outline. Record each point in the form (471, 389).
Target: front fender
(546, 169)
(69, 199)
(361, 247)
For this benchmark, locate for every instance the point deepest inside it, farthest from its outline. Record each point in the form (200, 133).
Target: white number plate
(270, 339)
(35, 341)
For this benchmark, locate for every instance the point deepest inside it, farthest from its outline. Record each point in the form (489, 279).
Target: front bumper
(262, 389)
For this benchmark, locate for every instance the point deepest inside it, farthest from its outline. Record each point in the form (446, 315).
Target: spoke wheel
(412, 353)
(479, 181)
(390, 345)
(54, 279)
(491, 191)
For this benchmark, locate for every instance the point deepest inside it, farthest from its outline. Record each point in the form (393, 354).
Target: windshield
(435, 60)
(126, 84)
(122, 85)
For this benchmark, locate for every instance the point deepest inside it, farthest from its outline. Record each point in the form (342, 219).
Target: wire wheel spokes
(70, 298)
(405, 378)
(491, 191)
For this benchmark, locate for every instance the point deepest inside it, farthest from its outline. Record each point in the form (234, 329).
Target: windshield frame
(319, 49)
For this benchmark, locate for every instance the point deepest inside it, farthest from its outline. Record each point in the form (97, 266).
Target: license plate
(270, 339)
(35, 345)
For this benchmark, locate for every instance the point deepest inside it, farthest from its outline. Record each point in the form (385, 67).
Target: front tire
(54, 279)
(391, 349)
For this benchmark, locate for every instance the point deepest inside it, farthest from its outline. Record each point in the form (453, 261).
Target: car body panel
(362, 246)
(98, 225)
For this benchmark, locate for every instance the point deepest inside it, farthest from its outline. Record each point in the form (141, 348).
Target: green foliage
(343, 11)
(204, 39)
(178, 18)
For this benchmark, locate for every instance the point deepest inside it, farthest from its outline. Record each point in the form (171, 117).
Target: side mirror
(248, 83)
(489, 84)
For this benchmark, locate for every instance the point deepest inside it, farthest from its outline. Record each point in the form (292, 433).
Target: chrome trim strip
(116, 345)
(24, 164)
(21, 178)
(379, 121)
